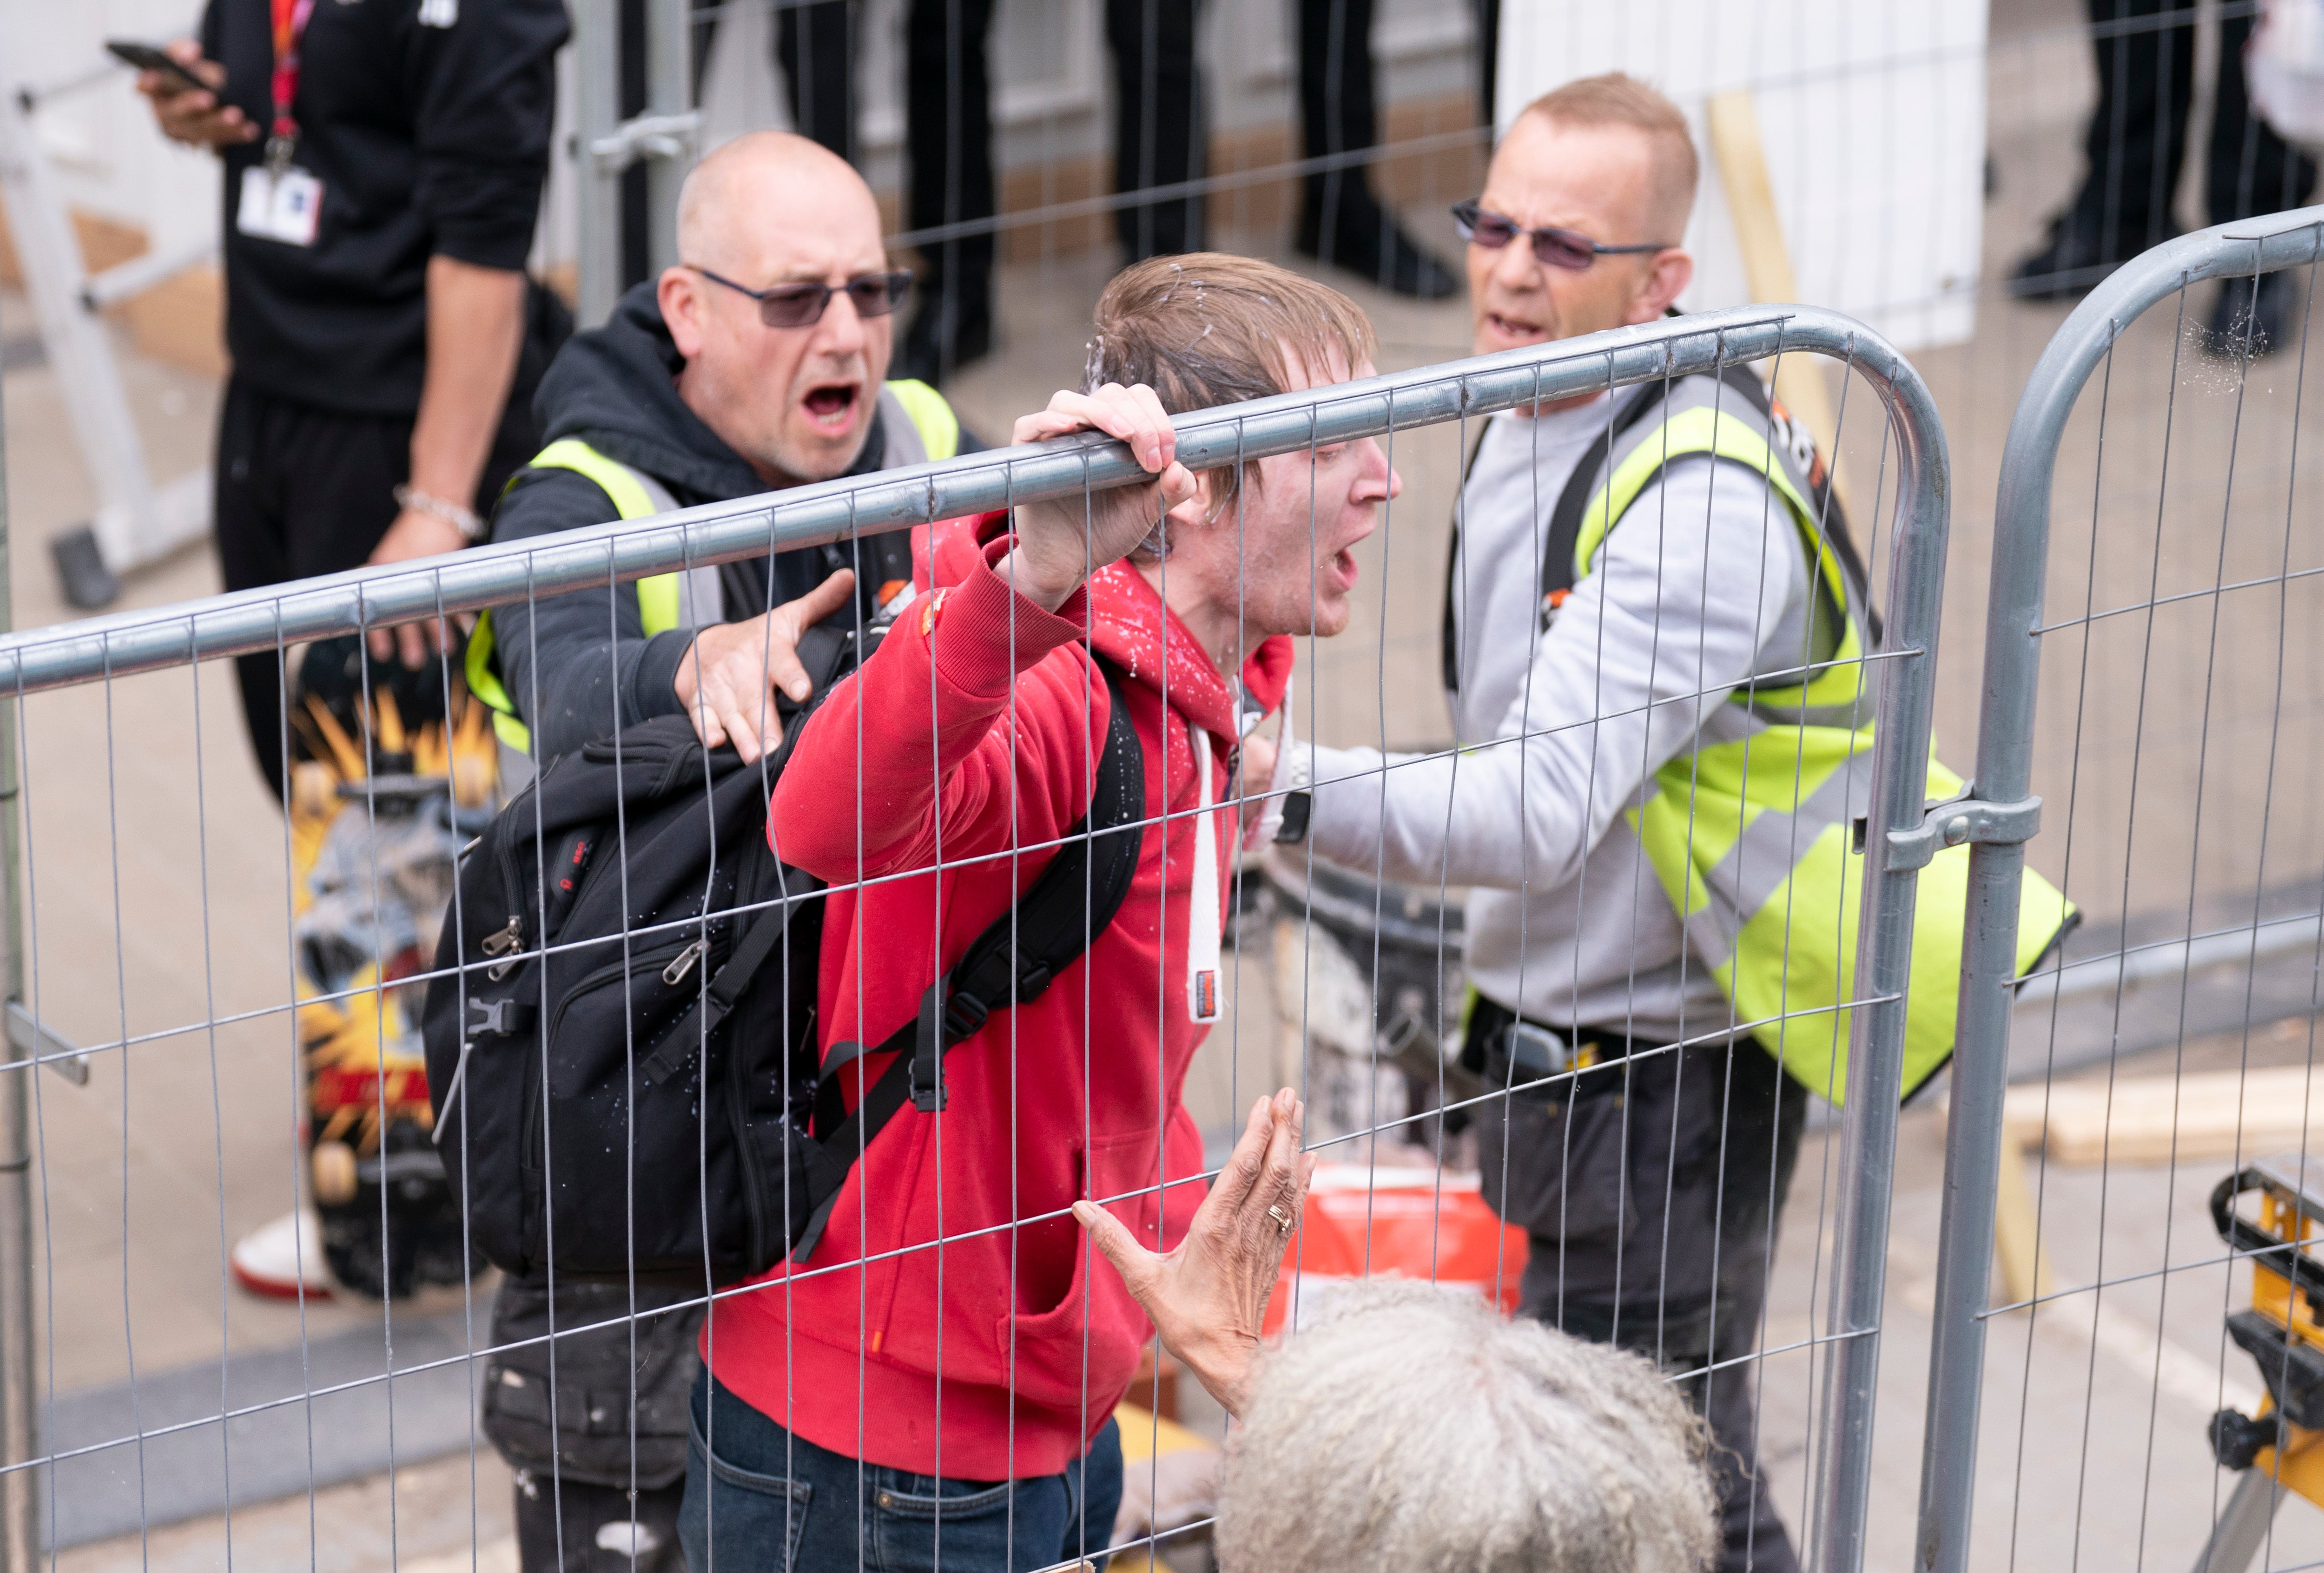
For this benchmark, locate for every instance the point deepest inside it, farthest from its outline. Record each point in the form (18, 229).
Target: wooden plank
(2154, 1119)
(1800, 385)
(2016, 1236)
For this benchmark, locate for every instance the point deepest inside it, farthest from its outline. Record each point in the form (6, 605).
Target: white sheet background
(1872, 112)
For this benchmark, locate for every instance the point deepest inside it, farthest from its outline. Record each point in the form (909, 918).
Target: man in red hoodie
(933, 1388)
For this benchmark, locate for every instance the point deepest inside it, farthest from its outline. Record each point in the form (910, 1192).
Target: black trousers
(2137, 135)
(1651, 1190)
(598, 1525)
(948, 143)
(298, 491)
(815, 47)
(1160, 134)
(620, 1418)
(1339, 113)
(1160, 137)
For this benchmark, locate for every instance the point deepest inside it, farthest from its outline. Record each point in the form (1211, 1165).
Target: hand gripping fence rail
(2006, 751)
(261, 621)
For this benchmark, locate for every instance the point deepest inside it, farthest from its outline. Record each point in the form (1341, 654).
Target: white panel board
(1872, 112)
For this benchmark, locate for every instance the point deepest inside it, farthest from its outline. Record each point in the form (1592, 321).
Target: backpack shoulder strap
(1566, 520)
(1071, 901)
(1450, 633)
(828, 651)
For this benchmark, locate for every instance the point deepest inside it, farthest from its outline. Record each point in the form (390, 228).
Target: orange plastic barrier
(1398, 1223)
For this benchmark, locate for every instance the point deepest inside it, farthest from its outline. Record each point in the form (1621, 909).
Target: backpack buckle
(965, 1015)
(498, 1019)
(929, 1047)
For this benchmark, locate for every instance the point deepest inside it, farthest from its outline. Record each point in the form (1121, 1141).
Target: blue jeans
(768, 1501)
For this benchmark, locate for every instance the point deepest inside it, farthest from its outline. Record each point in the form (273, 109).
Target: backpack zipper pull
(502, 944)
(508, 939)
(682, 962)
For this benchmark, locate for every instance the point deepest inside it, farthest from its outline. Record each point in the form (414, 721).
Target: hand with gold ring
(1208, 1297)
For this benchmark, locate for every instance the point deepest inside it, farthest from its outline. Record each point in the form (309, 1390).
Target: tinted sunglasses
(1553, 248)
(801, 305)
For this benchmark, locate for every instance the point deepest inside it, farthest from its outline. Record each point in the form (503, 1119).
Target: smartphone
(146, 57)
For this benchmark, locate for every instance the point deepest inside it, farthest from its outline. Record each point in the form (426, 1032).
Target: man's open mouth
(831, 404)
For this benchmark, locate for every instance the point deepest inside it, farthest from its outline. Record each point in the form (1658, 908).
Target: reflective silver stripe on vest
(1763, 857)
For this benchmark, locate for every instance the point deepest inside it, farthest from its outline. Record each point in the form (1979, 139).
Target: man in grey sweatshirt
(1649, 1176)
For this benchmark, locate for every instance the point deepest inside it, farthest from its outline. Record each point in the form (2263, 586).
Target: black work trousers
(572, 1526)
(948, 144)
(297, 491)
(617, 1423)
(2137, 135)
(1160, 134)
(1651, 1189)
(1339, 113)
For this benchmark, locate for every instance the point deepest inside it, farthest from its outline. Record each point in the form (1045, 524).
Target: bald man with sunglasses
(1624, 577)
(759, 361)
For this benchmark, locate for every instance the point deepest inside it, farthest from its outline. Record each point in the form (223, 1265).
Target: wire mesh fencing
(2148, 606)
(406, 978)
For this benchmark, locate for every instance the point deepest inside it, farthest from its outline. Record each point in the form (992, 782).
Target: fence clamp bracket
(35, 1040)
(648, 136)
(1962, 821)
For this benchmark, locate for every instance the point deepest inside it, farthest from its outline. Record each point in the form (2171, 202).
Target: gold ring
(1282, 1219)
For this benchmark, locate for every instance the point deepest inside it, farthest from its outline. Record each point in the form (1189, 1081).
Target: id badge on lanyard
(280, 201)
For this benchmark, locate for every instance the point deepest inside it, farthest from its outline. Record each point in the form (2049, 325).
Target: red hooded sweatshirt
(999, 1353)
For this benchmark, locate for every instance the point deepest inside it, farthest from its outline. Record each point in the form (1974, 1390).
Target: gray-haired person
(1408, 1426)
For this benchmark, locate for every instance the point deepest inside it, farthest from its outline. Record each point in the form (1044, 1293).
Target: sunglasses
(802, 305)
(1553, 248)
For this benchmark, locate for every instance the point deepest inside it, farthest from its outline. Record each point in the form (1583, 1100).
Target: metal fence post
(2005, 751)
(19, 1539)
(597, 201)
(1907, 688)
(669, 98)
(664, 136)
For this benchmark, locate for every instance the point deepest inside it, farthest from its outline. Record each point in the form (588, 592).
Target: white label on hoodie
(1203, 924)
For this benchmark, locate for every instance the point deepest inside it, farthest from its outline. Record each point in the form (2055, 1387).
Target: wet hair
(1617, 98)
(1406, 1427)
(1206, 328)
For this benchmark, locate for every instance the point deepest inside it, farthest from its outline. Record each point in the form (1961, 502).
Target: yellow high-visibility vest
(927, 430)
(1752, 837)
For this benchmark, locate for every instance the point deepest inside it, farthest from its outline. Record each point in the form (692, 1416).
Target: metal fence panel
(2215, 731)
(174, 1440)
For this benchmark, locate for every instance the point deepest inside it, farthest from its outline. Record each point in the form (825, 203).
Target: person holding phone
(384, 168)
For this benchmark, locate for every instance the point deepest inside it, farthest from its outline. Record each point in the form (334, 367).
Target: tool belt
(1512, 1053)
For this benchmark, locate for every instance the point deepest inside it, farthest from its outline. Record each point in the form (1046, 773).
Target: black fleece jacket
(613, 387)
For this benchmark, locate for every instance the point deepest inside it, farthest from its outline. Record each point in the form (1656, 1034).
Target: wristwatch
(1296, 808)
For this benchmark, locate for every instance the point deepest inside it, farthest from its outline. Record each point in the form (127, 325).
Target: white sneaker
(282, 1259)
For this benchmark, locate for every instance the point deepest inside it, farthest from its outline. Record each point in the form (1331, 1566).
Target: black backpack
(621, 1049)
